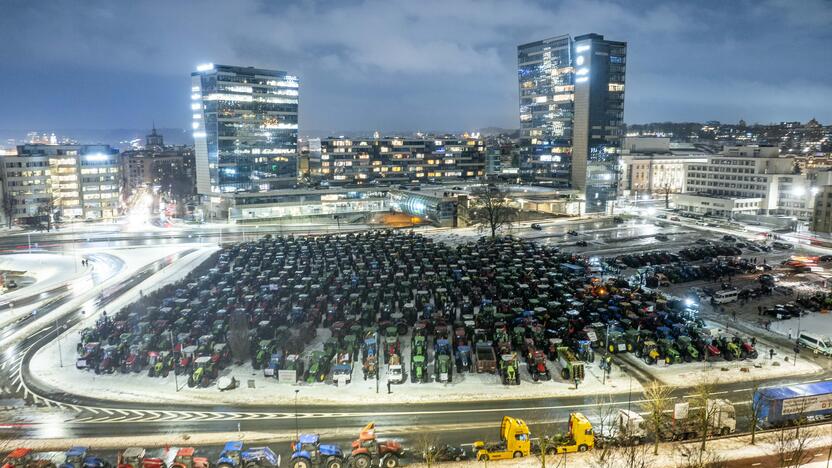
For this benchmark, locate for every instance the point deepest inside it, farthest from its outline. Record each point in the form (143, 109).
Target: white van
(726, 295)
(818, 343)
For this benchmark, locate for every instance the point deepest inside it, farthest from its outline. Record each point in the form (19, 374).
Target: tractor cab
(230, 455)
(185, 459)
(18, 458)
(134, 457)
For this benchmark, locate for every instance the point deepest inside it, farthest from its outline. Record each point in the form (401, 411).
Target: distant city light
(581, 79)
(582, 48)
(205, 67)
(96, 157)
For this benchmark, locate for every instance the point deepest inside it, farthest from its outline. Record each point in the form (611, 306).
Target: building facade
(756, 178)
(822, 216)
(245, 128)
(62, 182)
(398, 160)
(652, 166)
(571, 113)
(170, 168)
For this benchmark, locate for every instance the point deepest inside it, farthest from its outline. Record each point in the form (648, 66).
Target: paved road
(77, 416)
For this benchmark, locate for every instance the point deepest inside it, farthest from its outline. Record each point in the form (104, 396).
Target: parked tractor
(669, 351)
(205, 372)
(418, 369)
(463, 359)
(585, 351)
(537, 366)
(368, 452)
(88, 356)
(233, 456)
(159, 363)
(185, 459)
(77, 457)
(318, 367)
(25, 458)
(509, 369)
(134, 457)
(443, 368)
(309, 452)
(395, 370)
(649, 352)
(571, 368)
(689, 352)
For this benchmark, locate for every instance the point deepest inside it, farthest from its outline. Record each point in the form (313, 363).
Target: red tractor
(24, 458)
(368, 452)
(134, 457)
(185, 459)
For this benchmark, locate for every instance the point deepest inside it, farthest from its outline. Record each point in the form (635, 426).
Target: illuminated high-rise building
(245, 128)
(571, 113)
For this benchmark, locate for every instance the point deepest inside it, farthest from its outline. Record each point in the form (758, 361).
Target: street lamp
(296, 414)
(175, 379)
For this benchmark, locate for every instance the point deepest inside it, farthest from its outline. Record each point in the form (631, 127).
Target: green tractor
(443, 368)
(509, 369)
(689, 352)
(730, 350)
(617, 343)
(669, 351)
(318, 367)
(418, 368)
(205, 371)
(260, 358)
(571, 368)
(419, 346)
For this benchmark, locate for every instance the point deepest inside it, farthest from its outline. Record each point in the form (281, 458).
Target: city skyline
(127, 73)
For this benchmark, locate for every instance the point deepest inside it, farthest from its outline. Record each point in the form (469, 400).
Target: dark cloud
(404, 64)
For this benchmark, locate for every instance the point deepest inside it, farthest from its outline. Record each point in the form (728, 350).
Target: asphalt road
(67, 415)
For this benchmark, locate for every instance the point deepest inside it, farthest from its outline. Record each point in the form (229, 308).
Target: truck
(486, 358)
(786, 404)
(579, 437)
(515, 442)
(309, 452)
(630, 428)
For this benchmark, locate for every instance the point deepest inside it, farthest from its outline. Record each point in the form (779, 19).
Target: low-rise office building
(756, 178)
(171, 168)
(62, 182)
(652, 166)
(398, 160)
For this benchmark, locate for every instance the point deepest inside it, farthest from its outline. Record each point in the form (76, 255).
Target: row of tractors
(307, 452)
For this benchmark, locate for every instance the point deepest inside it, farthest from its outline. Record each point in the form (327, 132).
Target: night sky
(406, 64)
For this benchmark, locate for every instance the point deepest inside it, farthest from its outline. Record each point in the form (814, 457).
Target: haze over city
(403, 65)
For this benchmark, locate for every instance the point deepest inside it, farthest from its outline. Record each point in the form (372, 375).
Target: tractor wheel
(150, 373)
(668, 360)
(564, 373)
(191, 382)
(252, 464)
(582, 448)
(516, 455)
(629, 348)
(753, 355)
(612, 348)
(688, 358)
(334, 462)
(391, 461)
(535, 377)
(724, 431)
(483, 458)
(361, 461)
(300, 462)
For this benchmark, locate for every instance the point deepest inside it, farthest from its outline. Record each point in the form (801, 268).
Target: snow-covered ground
(267, 390)
(46, 269)
(817, 323)
(85, 291)
(764, 367)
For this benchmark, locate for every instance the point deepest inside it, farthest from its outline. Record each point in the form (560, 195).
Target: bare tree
(692, 456)
(656, 403)
(8, 208)
(666, 191)
(427, 445)
(754, 410)
(604, 412)
(704, 417)
(791, 445)
(491, 207)
(238, 339)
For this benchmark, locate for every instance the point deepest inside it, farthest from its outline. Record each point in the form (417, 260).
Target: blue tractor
(233, 456)
(308, 452)
(76, 457)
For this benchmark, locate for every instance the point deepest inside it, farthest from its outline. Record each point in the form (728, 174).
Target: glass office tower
(571, 113)
(245, 127)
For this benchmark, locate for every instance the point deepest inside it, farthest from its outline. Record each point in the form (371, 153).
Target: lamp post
(175, 378)
(296, 414)
(606, 350)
